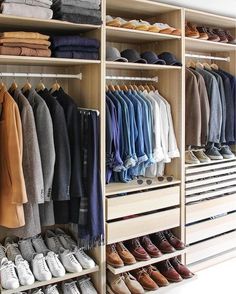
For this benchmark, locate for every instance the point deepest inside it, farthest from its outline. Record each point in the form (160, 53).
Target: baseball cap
(113, 54)
(132, 56)
(152, 58)
(169, 58)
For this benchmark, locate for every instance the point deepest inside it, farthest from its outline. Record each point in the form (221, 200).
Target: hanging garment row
(49, 166)
(140, 136)
(210, 111)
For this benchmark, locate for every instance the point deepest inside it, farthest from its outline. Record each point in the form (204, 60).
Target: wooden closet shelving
(208, 46)
(131, 65)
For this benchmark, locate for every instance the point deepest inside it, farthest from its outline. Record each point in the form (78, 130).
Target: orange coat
(12, 183)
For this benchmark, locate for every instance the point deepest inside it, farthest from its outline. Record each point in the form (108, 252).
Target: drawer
(209, 208)
(210, 228)
(211, 247)
(142, 225)
(137, 203)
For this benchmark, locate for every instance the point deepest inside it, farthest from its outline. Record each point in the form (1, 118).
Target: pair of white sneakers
(84, 286)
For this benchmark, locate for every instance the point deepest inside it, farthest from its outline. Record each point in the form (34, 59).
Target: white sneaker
(52, 241)
(51, 289)
(69, 261)
(8, 277)
(86, 286)
(65, 239)
(54, 264)
(38, 291)
(24, 273)
(40, 268)
(83, 258)
(70, 288)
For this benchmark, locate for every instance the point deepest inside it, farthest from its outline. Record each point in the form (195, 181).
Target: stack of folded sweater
(24, 44)
(27, 8)
(78, 11)
(75, 47)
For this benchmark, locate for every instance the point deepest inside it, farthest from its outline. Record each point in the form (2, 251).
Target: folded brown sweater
(28, 41)
(24, 35)
(33, 46)
(22, 51)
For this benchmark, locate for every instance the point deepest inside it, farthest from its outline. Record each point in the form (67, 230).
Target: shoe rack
(161, 205)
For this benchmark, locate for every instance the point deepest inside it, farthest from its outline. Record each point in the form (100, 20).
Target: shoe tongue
(18, 259)
(39, 256)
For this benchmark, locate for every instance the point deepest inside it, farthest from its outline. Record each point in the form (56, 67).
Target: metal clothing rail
(154, 79)
(40, 75)
(227, 59)
(89, 109)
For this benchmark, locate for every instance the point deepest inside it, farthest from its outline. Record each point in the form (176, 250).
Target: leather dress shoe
(151, 249)
(211, 36)
(221, 34)
(113, 257)
(134, 286)
(168, 271)
(181, 269)
(230, 37)
(117, 284)
(161, 242)
(203, 33)
(137, 250)
(174, 241)
(144, 279)
(157, 277)
(191, 31)
(124, 254)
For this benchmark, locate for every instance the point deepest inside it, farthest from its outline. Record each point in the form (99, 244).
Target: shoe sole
(115, 265)
(228, 157)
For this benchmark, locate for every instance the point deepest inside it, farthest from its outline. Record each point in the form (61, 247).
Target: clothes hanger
(27, 86)
(13, 86)
(191, 63)
(146, 87)
(152, 88)
(55, 87)
(107, 89)
(199, 65)
(207, 66)
(117, 87)
(214, 66)
(40, 86)
(130, 87)
(111, 88)
(141, 88)
(135, 87)
(2, 83)
(124, 87)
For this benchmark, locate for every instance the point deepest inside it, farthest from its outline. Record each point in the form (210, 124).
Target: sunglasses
(140, 182)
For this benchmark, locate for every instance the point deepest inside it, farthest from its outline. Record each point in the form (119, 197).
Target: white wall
(222, 7)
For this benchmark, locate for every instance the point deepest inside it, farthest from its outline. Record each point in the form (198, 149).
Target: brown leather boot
(157, 276)
(113, 257)
(124, 253)
(144, 279)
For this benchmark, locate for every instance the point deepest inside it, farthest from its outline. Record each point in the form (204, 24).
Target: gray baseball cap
(113, 54)
(132, 56)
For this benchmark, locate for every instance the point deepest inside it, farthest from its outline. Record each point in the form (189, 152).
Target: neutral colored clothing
(22, 51)
(78, 18)
(24, 40)
(25, 45)
(24, 35)
(43, 3)
(79, 3)
(61, 9)
(12, 184)
(26, 10)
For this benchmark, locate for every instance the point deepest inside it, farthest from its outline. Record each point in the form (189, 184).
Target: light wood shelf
(133, 186)
(28, 60)
(212, 163)
(207, 46)
(122, 35)
(140, 264)
(52, 281)
(141, 66)
(52, 25)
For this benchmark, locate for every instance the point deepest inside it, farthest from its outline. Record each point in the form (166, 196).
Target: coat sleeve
(19, 195)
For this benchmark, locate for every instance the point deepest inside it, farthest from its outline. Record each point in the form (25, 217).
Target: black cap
(132, 56)
(169, 58)
(152, 58)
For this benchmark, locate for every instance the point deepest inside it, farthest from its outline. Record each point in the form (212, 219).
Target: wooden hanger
(146, 87)
(215, 66)
(40, 86)
(55, 87)
(141, 88)
(135, 87)
(1, 83)
(191, 63)
(117, 87)
(152, 88)
(27, 86)
(107, 89)
(199, 65)
(13, 86)
(124, 87)
(111, 88)
(207, 66)
(130, 87)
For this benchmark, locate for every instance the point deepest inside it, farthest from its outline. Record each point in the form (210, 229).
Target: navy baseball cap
(169, 58)
(132, 56)
(152, 58)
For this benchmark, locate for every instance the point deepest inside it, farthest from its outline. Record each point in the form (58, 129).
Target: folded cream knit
(24, 35)
(40, 3)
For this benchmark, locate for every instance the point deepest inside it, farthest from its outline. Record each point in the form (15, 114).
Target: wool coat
(12, 183)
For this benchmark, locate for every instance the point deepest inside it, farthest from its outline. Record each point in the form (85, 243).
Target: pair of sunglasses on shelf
(160, 179)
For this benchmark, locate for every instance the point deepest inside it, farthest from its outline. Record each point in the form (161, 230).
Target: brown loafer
(211, 36)
(174, 241)
(151, 249)
(113, 257)
(144, 279)
(161, 242)
(230, 37)
(191, 31)
(137, 250)
(169, 272)
(203, 33)
(124, 254)
(181, 269)
(221, 34)
(157, 276)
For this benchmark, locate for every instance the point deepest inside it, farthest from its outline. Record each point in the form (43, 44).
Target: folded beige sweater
(24, 35)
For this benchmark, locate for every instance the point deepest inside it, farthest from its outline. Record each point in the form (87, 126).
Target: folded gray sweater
(76, 10)
(41, 3)
(78, 3)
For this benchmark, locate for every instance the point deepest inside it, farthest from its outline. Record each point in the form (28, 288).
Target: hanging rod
(154, 79)
(89, 109)
(227, 59)
(40, 75)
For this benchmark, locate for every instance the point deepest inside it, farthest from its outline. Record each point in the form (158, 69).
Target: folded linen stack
(75, 47)
(78, 11)
(24, 44)
(28, 8)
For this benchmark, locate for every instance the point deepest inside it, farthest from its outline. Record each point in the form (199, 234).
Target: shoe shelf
(50, 26)
(114, 34)
(193, 168)
(133, 186)
(43, 61)
(140, 264)
(68, 276)
(207, 46)
(131, 65)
